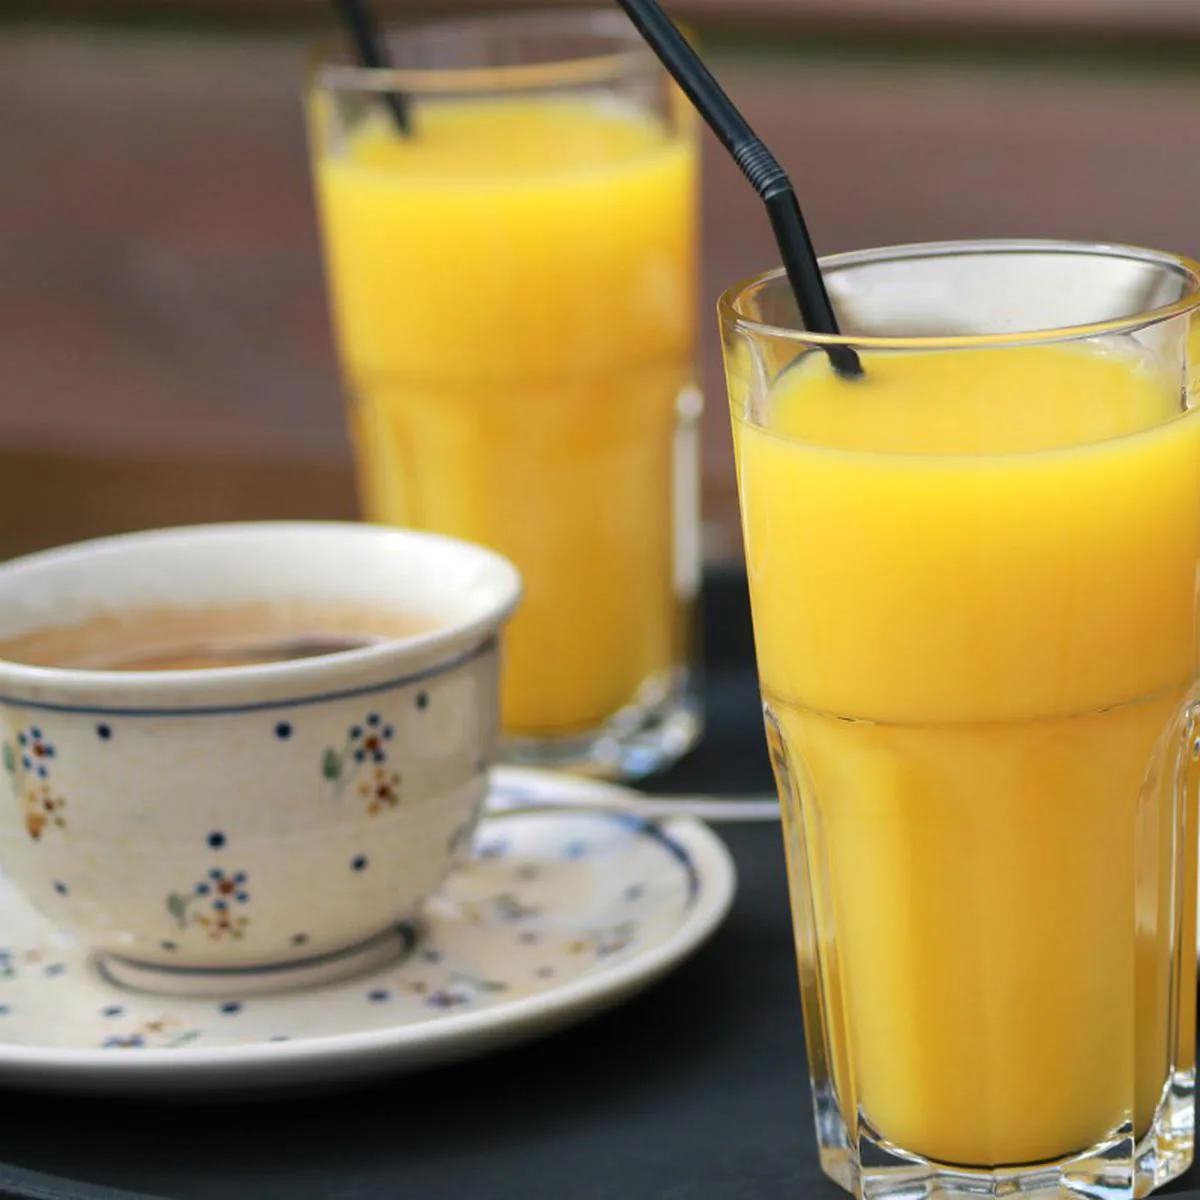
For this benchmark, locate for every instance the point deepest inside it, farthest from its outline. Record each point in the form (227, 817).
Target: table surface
(697, 1088)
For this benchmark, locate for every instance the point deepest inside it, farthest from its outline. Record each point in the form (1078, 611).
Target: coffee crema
(198, 639)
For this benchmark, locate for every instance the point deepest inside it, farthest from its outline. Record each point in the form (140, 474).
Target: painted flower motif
(604, 942)
(35, 750)
(510, 908)
(462, 989)
(132, 1041)
(612, 941)
(163, 1032)
(367, 741)
(223, 923)
(381, 791)
(448, 998)
(223, 887)
(27, 762)
(213, 904)
(365, 748)
(43, 810)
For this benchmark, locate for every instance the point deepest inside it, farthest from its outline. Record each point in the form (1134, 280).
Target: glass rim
(603, 66)
(730, 313)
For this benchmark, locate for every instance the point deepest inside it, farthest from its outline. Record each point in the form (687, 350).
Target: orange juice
(513, 292)
(973, 577)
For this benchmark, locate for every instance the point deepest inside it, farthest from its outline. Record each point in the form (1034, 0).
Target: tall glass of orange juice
(512, 286)
(973, 575)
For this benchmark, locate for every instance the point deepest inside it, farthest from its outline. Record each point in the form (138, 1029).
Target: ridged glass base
(1116, 1169)
(649, 735)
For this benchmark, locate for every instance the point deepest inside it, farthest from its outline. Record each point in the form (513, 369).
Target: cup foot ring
(384, 949)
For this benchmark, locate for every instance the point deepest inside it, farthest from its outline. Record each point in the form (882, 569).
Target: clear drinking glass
(973, 576)
(513, 289)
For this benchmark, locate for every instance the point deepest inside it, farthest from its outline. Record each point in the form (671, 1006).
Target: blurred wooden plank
(161, 299)
(52, 498)
(1103, 18)
(1093, 18)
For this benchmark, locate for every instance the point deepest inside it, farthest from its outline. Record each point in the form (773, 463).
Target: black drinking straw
(363, 28)
(759, 166)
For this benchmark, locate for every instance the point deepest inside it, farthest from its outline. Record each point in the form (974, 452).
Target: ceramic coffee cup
(192, 823)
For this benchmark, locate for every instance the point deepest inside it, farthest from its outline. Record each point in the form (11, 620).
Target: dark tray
(696, 1090)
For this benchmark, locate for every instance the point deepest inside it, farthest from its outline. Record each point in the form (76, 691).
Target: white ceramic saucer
(558, 914)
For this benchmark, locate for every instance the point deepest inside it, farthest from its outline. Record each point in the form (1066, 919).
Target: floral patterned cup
(192, 823)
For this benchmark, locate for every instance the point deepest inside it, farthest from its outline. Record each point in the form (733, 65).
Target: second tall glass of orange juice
(512, 284)
(973, 574)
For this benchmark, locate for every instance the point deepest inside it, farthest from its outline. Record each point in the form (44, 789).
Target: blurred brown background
(164, 353)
